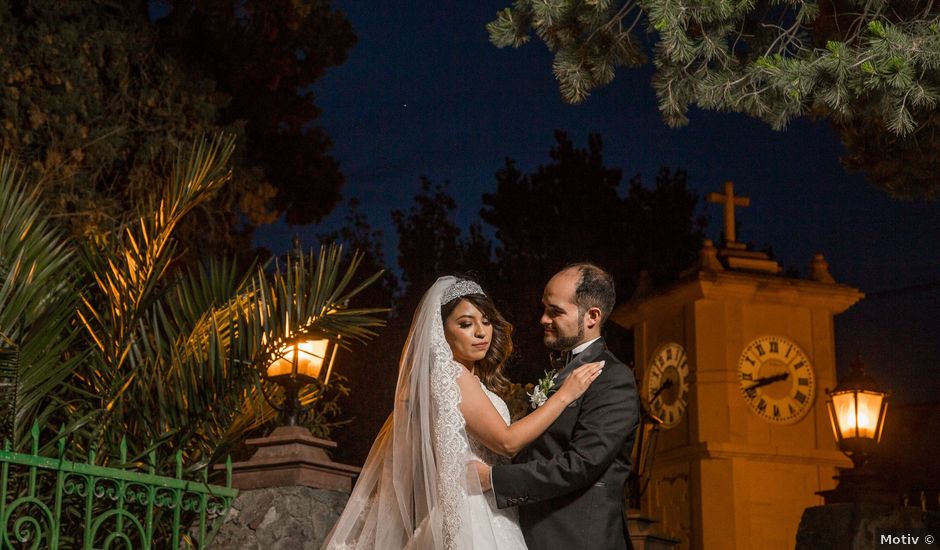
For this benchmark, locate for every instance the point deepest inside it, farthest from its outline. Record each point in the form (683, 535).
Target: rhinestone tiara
(459, 289)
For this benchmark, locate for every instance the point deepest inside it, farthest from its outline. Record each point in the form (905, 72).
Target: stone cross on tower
(730, 201)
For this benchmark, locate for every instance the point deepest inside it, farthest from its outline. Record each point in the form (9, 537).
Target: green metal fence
(52, 503)
(8, 384)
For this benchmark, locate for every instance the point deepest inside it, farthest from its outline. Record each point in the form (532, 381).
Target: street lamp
(290, 455)
(857, 407)
(298, 313)
(297, 364)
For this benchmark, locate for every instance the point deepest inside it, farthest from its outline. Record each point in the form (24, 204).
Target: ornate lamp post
(290, 455)
(296, 365)
(290, 489)
(857, 407)
(861, 499)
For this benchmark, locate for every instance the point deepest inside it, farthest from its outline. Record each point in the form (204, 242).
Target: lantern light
(308, 355)
(296, 365)
(857, 407)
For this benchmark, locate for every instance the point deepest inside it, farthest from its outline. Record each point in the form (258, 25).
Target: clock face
(667, 383)
(777, 379)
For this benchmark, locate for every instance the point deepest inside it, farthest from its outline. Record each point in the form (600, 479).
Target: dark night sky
(424, 93)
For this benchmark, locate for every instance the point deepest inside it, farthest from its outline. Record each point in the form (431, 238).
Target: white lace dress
(505, 522)
(414, 491)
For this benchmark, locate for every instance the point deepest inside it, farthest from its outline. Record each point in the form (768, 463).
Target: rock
(280, 518)
(853, 526)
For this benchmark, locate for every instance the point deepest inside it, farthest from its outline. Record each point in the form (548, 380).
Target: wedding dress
(415, 490)
(505, 522)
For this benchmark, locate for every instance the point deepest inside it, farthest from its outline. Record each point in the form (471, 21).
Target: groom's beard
(565, 343)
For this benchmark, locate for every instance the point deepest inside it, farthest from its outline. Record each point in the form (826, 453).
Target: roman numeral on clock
(777, 379)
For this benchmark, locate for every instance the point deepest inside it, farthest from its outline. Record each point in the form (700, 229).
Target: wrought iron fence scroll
(57, 504)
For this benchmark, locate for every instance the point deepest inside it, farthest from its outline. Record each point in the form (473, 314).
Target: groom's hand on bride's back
(475, 468)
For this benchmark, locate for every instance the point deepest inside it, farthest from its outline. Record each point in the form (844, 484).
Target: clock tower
(735, 358)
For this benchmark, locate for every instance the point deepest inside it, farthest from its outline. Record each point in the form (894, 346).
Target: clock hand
(767, 380)
(665, 385)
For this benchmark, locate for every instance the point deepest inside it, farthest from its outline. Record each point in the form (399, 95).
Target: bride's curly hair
(490, 368)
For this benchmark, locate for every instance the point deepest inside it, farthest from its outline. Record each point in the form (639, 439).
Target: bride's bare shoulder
(465, 372)
(468, 382)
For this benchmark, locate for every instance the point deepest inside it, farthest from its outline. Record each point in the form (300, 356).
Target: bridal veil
(414, 490)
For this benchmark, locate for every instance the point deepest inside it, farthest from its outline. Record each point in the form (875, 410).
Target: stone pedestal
(290, 494)
(860, 485)
(851, 526)
(280, 518)
(644, 536)
(291, 456)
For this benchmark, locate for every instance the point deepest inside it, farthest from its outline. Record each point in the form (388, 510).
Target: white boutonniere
(543, 389)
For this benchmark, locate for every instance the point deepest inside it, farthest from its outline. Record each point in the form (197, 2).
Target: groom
(569, 483)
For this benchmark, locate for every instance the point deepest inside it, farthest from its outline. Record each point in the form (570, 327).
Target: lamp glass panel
(834, 420)
(860, 420)
(310, 356)
(869, 410)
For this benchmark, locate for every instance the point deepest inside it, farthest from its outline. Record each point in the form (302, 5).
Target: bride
(415, 490)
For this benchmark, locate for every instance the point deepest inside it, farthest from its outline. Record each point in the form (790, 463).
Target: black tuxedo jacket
(569, 482)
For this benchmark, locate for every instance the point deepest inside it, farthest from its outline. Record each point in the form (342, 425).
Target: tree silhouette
(572, 210)
(101, 96)
(266, 55)
(371, 370)
(430, 244)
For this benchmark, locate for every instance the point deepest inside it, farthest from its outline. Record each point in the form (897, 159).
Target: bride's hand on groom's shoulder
(579, 380)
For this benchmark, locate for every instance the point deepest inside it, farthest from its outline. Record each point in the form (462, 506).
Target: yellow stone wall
(724, 478)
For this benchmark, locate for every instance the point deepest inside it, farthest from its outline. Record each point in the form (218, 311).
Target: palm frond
(117, 341)
(37, 298)
(9, 369)
(127, 271)
(177, 353)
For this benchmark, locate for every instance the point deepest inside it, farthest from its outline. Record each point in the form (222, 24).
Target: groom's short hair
(595, 289)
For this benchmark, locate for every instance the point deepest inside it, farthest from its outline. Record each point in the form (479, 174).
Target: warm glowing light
(309, 356)
(857, 407)
(858, 414)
